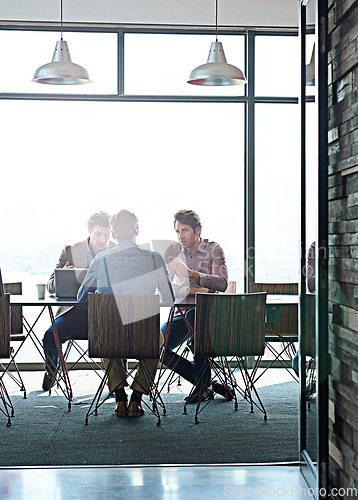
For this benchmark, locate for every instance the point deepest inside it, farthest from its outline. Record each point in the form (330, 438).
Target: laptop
(68, 281)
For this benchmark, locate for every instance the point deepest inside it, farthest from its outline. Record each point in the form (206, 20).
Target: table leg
(165, 344)
(67, 391)
(66, 378)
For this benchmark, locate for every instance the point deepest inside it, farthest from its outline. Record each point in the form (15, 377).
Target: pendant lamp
(61, 70)
(217, 71)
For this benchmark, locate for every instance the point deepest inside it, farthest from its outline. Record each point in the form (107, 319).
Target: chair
(281, 328)
(124, 327)
(8, 409)
(16, 335)
(273, 288)
(231, 325)
(186, 347)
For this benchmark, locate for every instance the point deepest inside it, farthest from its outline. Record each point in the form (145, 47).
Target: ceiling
(240, 13)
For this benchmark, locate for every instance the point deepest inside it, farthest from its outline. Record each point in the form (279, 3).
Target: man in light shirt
(195, 265)
(128, 270)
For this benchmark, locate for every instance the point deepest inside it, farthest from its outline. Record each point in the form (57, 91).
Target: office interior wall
(343, 244)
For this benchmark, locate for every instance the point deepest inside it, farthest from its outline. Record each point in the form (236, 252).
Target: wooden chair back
(123, 326)
(287, 323)
(5, 326)
(230, 324)
(273, 288)
(16, 311)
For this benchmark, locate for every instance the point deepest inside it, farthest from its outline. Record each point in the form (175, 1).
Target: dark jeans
(196, 372)
(71, 325)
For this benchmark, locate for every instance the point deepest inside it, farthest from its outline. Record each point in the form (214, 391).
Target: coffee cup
(41, 289)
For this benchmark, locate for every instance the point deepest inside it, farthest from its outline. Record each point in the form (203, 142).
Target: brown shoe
(135, 409)
(194, 397)
(121, 409)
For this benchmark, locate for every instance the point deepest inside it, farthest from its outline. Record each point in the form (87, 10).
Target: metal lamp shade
(61, 71)
(217, 71)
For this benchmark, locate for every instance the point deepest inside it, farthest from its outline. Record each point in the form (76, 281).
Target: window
(148, 150)
(277, 194)
(277, 70)
(160, 64)
(28, 50)
(67, 160)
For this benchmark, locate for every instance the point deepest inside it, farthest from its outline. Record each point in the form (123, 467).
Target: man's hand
(178, 266)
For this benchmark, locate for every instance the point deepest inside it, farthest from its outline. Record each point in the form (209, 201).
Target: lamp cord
(216, 19)
(61, 21)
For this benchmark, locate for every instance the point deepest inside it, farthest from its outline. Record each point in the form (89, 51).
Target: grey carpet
(43, 433)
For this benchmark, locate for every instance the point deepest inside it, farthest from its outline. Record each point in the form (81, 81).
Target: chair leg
(93, 365)
(225, 373)
(156, 397)
(18, 380)
(173, 378)
(154, 393)
(250, 386)
(311, 381)
(95, 404)
(287, 348)
(8, 406)
(199, 395)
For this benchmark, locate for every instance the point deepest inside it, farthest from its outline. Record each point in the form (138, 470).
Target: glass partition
(314, 229)
(309, 346)
(150, 152)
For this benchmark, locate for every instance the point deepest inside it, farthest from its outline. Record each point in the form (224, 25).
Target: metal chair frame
(185, 349)
(183, 346)
(230, 327)
(16, 335)
(73, 344)
(111, 337)
(287, 344)
(8, 408)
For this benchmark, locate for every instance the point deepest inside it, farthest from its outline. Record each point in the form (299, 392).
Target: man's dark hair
(188, 217)
(99, 219)
(124, 225)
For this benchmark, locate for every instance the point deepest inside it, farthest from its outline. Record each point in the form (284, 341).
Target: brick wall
(343, 242)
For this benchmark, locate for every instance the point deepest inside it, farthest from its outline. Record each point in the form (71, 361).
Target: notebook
(68, 282)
